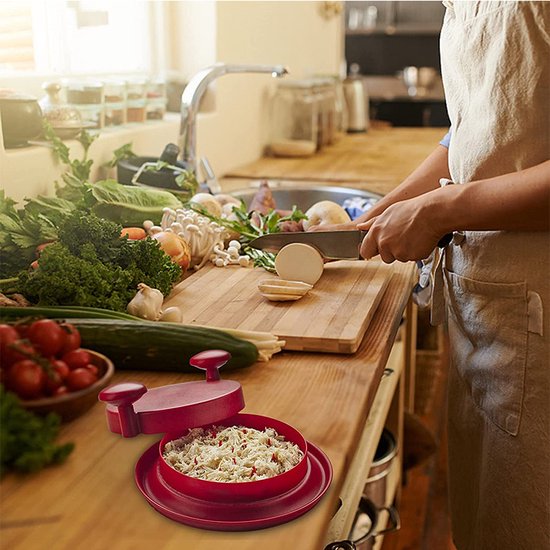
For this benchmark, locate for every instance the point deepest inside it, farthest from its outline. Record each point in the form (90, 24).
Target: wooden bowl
(73, 404)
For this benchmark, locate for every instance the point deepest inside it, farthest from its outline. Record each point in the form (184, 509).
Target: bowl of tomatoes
(43, 364)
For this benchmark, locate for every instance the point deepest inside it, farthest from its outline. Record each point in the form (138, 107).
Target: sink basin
(290, 193)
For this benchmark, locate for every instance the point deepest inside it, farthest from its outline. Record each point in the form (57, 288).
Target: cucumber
(61, 312)
(154, 346)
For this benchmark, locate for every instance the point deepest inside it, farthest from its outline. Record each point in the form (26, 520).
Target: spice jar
(156, 99)
(135, 100)
(115, 102)
(294, 119)
(87, 97)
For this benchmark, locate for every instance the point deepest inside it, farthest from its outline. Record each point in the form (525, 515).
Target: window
(80, 37)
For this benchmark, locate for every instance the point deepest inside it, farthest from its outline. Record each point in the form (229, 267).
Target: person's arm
(423, 179)
(410, 230)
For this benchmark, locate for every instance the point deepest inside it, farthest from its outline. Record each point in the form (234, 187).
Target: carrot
(133, 233)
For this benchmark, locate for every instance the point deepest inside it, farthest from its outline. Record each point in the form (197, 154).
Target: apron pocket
(488, 324)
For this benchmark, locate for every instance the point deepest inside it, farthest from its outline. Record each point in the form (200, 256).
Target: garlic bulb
(171, 315)
(147, 303)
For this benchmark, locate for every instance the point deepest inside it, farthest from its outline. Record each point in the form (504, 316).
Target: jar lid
(133, 409)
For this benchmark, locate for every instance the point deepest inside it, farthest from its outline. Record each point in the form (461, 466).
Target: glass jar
(65, 120)
(156, 99)
(115, 102)
(326, 95)
(87, 97)
(294, 118)
(135, 100)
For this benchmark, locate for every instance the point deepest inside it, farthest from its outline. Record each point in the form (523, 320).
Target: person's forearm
(519, 201)
(423, 179)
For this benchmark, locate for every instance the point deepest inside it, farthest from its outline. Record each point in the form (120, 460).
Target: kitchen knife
(332, 245)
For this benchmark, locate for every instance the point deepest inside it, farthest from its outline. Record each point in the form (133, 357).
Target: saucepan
(365, 527)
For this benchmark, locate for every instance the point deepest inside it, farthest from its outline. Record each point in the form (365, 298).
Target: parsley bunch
(26, 440)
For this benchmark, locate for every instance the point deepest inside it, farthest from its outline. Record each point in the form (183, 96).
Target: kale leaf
(93, 266)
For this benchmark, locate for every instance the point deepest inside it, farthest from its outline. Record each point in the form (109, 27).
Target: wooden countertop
(377, 160)
(92, 502)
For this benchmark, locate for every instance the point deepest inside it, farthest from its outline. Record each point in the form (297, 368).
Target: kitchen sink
(302, 195)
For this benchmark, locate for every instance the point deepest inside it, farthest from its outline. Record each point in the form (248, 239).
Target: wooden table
(377, 161)
(91, 501)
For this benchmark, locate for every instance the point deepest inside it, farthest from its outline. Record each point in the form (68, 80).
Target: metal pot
(365, 527)
(375, 486)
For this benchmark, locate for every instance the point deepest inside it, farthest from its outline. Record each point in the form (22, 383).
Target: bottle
(357, 101)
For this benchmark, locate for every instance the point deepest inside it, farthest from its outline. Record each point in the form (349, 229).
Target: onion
(176, 247)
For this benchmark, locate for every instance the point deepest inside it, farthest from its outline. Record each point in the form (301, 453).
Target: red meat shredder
(172, 410)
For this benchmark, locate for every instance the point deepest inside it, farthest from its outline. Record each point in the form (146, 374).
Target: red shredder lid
(133, 409)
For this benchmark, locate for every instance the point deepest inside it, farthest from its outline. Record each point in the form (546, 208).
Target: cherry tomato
(18, 351)
(77, 358)
(8, 335)
(53, 381)
(22, 329)
(72, 338)
(62, 390)
(81, 378)
(93, 369)
(26, 378)
(60, 367)
(47, 336)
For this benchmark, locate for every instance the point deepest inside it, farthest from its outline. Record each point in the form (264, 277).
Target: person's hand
(405, 231)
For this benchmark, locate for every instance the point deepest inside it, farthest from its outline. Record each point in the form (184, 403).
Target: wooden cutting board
(332, 317)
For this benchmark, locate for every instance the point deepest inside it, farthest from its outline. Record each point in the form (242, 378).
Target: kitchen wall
(235, 127)
(294, 34)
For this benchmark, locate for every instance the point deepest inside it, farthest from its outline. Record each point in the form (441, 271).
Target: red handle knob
(210, 361)
(122, 397)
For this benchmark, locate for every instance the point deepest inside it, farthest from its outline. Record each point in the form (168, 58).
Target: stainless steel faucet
(191, 96)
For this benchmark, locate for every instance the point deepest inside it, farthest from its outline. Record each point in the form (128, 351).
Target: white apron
(496, 71)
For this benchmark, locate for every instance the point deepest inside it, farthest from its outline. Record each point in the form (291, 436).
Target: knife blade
(332, 245)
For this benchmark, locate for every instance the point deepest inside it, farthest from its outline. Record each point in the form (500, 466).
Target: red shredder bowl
(248, 490)
(173, 410)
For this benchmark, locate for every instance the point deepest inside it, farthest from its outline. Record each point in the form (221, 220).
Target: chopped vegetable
(26, 440)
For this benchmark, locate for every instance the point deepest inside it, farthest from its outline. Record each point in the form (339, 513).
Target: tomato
(26, 378)
(72, 338)
(93, 369)
(22, 329)
(62, 390)
(52, 382)
(8, 335)
(77, 358)
(24, 349)
(60, 367)
(81, 378)
(47, 336)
